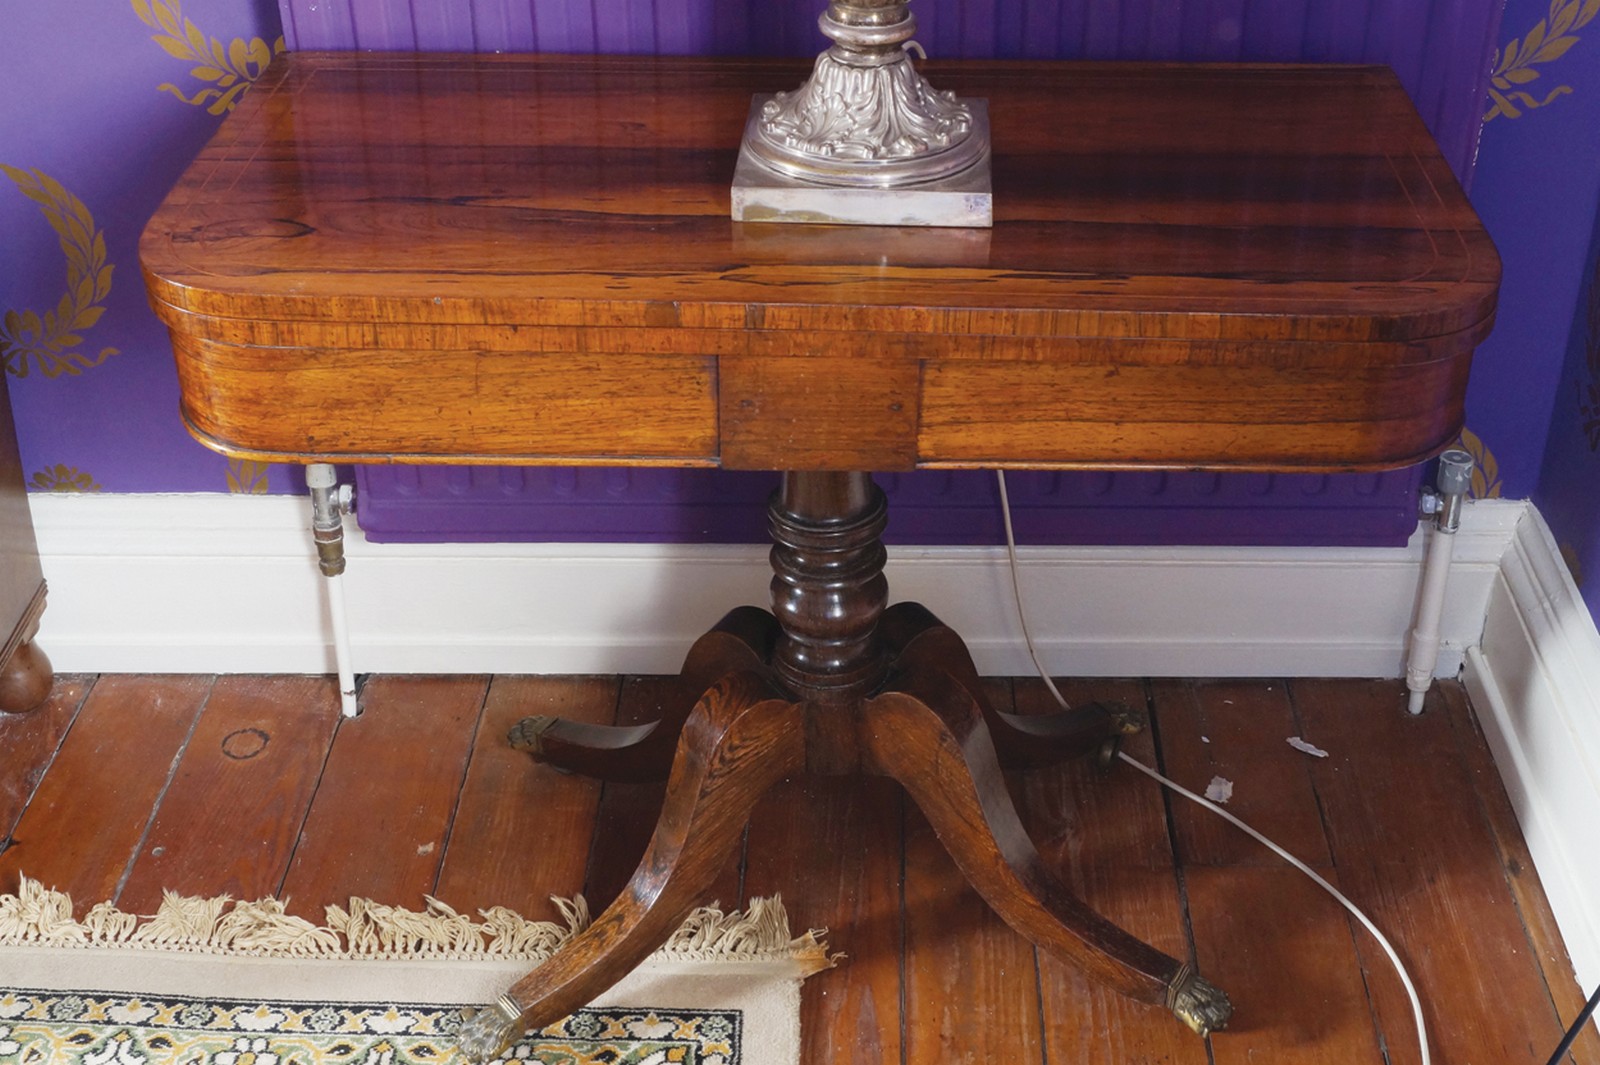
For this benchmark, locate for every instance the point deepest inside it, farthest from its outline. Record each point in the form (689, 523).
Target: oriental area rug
(218, 982)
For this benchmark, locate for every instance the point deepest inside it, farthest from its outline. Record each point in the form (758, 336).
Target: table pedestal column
(828, 588)
(832, 681)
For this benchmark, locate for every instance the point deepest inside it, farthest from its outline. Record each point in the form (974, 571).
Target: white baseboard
(1535, 681)
(214, 583)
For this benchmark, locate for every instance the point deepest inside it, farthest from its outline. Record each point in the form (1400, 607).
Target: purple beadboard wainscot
(1440, 50)
(435, 504)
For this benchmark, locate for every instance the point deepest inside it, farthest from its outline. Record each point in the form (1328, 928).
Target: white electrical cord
(1366, 922)
(1016, 588)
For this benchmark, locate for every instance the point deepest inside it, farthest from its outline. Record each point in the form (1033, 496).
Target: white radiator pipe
(327, 528)
(341, 647)
(1455, 477)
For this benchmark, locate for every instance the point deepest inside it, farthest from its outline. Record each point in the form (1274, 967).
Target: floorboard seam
(905, 937)
(1332, 874)
(605, 786)
(461, 784)
(311, 802)
(6, 840)
(1172, 835)
(166, 785)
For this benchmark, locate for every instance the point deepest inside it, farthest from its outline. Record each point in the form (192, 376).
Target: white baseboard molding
(214, 583)
(1535, 681)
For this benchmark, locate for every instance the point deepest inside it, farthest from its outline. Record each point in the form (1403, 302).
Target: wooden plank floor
(123, 786)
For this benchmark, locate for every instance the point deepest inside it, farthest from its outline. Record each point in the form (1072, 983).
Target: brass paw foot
(1198, 1003)
(528, 734)
(489, 1031)
(1128, 719)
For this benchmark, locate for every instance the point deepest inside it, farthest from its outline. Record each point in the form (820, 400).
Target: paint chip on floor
(1309, 748)
(1220, 790)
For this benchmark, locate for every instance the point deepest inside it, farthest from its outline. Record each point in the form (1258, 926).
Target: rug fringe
(39, 916)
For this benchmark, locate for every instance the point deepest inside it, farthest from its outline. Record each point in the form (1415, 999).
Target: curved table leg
(923, 645)
(738, 742)
(740, 641)
(932, 738)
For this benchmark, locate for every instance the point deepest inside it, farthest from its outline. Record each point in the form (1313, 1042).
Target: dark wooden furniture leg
(25, 673)
(740, 641)
(834, 683)
(933, 738)
(922, 643)
(739, 741)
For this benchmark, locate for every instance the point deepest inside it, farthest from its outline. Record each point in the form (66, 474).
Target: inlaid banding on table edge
(239, 451)
(1065, 336)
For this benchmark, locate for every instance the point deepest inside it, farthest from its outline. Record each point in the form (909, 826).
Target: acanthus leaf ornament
(230, 69)
(1548, 41)
(48, 341)
(866, 118)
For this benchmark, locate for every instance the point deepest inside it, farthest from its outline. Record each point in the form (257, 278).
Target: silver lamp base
(764, 194)
(866, 140)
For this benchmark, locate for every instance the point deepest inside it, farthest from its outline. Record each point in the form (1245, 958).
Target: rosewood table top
(530, 259)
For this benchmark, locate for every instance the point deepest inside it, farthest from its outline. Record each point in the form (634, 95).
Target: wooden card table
(505, 259)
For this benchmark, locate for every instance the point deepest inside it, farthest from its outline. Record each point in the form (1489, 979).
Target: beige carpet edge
(219, 947)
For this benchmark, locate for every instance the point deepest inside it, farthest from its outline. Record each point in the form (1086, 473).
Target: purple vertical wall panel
(438, 26)
(512, 25)
(375, 21)
(489, 503)
(1272, 28)
(1440, 49)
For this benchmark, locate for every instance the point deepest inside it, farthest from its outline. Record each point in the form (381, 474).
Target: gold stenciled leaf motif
(47, 341)
(1545, 43)
(1485, 469)
(59, 478)
(229, 69)
(246, 477)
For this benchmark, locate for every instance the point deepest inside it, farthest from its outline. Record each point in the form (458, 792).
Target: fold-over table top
(524, 259)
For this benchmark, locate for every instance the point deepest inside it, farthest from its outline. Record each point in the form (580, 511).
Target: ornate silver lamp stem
(867, 117)
(865, 120)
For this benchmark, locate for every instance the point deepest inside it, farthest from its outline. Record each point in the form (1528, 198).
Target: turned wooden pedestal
(529, 260)
(831, 682)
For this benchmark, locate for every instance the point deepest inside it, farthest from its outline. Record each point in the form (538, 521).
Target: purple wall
(100, 118)
(1569, 484)
(1535, 391)
(1551, 156)
(1536, 188)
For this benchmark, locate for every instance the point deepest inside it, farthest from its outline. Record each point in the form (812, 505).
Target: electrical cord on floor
(1577, 1026)
(1394, 958)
